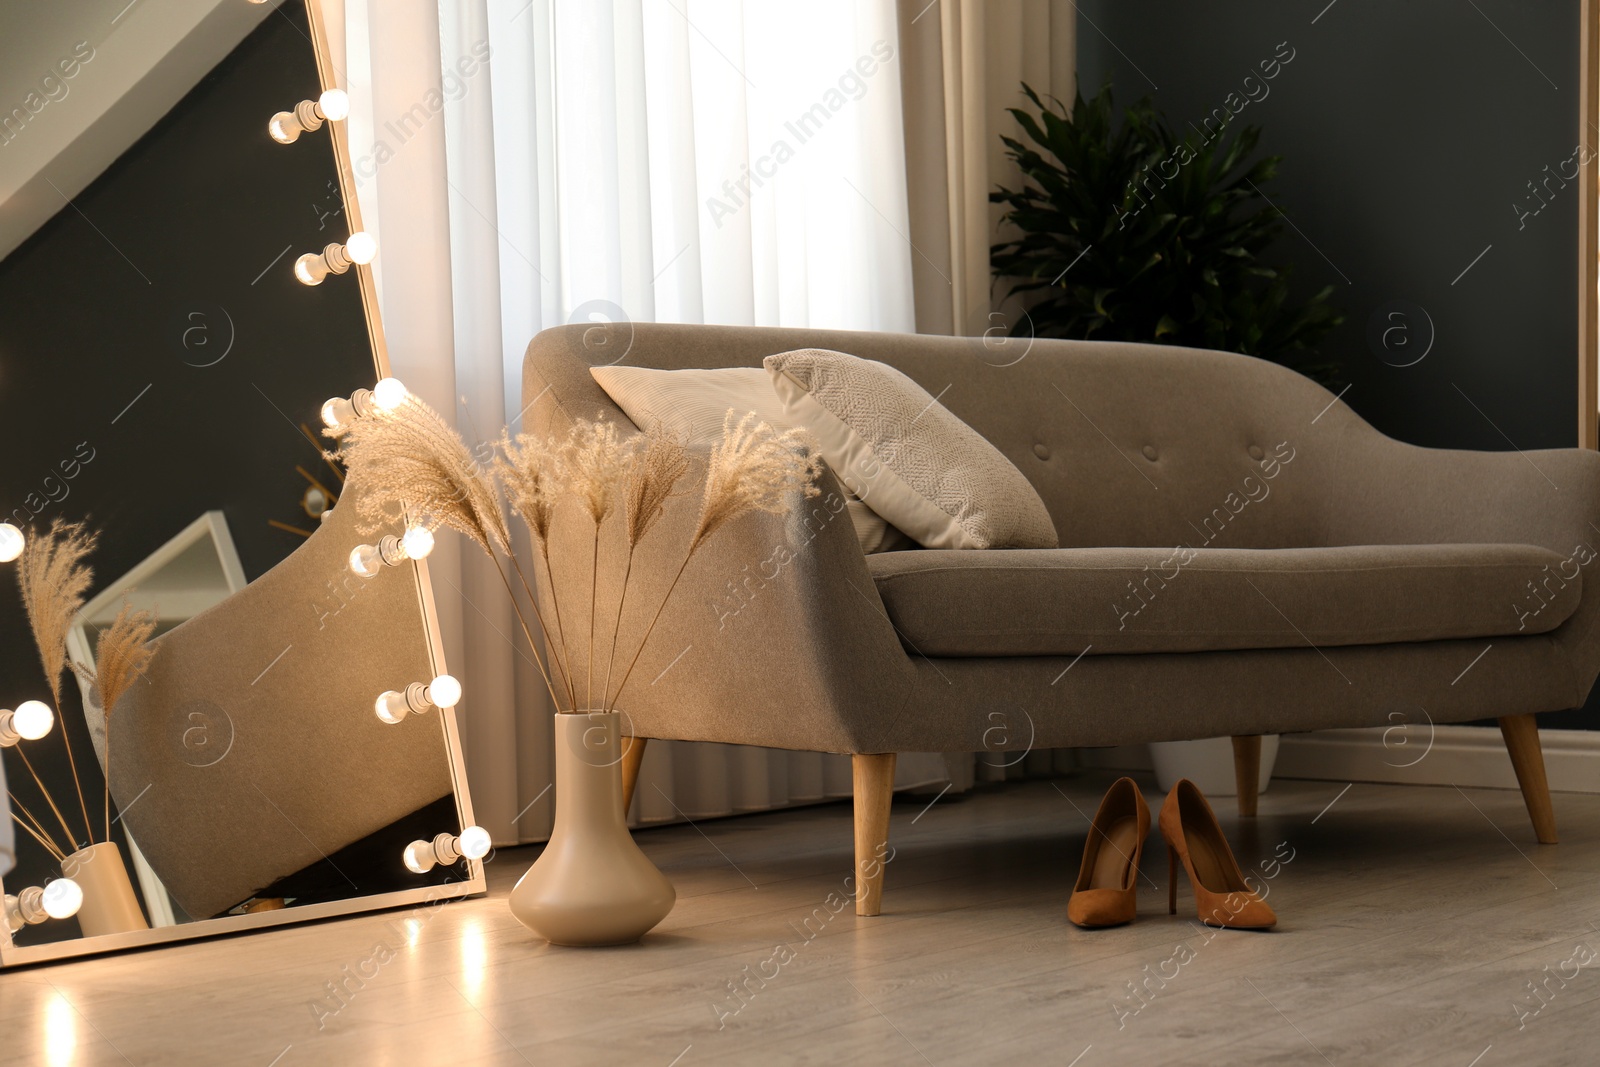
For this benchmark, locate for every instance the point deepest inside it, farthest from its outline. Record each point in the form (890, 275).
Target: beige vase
(591, 886)
(109, 906)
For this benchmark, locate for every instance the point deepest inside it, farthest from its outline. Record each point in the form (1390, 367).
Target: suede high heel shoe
(1193, 835)
(1106, 893)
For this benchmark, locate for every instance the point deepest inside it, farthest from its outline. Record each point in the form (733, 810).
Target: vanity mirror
(181, 289)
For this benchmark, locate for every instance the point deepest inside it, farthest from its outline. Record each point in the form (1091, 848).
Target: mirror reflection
(180, 295)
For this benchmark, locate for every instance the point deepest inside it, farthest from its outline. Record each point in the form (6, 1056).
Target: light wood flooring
(1412, 921)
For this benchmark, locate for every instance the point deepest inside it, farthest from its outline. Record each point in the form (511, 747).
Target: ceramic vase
(591, 885)
(109, 906)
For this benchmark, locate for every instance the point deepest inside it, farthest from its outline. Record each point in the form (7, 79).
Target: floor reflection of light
(474, 958)
(413, 931)
(60, 1031)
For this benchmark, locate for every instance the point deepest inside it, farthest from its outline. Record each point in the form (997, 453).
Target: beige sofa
(1240, 554)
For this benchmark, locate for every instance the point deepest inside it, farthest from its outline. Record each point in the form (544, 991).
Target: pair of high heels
(1106, 893)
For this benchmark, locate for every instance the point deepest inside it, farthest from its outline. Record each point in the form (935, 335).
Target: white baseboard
(1458, 755)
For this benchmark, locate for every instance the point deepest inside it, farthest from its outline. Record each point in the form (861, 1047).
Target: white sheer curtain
(528, 163)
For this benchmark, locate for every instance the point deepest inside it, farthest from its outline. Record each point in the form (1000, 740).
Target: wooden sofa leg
(1247, 771)
(1521, 733)
(874, 789)
(632, 758)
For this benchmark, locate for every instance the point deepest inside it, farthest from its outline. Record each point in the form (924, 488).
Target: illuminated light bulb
(392, 707)
(423, 856)
(283, 128)
(361, 247)
(474, 843)
(311, 268)
(337, 412)
(389, 394)
(31, 721)
(419, 857)
(11, 542)
(366, 561)
(417, 699)
(335, 104)
(444, 692)
(62, 898)
(418, 542)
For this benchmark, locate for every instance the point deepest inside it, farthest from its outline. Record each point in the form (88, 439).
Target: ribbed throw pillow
(693, 404)
(906, 456)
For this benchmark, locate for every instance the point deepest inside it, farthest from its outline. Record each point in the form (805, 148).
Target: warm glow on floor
(60, 1032)
(474, 958)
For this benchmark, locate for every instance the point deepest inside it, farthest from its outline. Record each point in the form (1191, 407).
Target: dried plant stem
(654, 619)
(48, 799)
(561, 630)
(522, 621)
(35, 835)
(37, 829)
(544, 629)
(72, 761)
(594, 576)
(616, 634)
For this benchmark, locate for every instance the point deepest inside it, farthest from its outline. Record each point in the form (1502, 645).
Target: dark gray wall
(1410, 132)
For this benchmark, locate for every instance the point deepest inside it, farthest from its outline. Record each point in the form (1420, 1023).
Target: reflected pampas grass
(54, 580)
(122, 655)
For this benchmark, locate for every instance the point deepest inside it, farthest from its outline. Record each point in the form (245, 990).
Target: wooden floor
(1413, 921)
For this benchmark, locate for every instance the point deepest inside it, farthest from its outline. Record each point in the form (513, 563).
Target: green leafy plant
(1131, 232)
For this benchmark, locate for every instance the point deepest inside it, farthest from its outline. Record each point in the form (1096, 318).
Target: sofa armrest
(775, 634)
(1383, 491)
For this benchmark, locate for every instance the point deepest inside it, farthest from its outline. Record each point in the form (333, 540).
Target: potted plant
(1131, 232)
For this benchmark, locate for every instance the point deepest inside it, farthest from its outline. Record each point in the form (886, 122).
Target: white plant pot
(1208, 764)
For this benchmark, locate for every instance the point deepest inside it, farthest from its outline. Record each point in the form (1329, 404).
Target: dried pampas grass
(595, 463)
(412, 456)
(532, 474)
(122, 655)
(54, 580)
(654, 475)
(754, 468)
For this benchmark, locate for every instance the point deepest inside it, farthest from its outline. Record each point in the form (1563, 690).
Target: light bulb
(336, 412)
(361, 247)
(311, 268)
(392, 707)
(283, 128)
(366, 561)
(33, 719)
(418, 542)
(62, 898)
(474, 843)
(335, 104)
(419, 857)
(11, 542)
(389, 394)
(444, 691)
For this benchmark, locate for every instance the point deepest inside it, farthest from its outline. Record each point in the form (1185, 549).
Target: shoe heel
(1172, 880)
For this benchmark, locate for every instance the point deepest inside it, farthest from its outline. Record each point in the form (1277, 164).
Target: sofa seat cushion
(1066, 601)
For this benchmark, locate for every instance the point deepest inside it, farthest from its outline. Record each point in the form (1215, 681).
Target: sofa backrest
(1127, 444)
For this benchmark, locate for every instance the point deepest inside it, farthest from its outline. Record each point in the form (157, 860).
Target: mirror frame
(13, 955)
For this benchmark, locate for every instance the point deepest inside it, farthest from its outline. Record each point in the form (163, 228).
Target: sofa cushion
(912, 461)
(1066, 601)
(692, 405)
